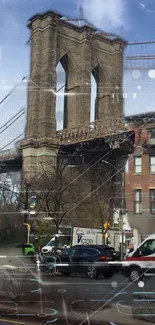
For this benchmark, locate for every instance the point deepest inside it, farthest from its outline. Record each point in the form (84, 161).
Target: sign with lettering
(114, 144)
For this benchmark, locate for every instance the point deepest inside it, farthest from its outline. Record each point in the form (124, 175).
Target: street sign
(24, 212)
(32, 212)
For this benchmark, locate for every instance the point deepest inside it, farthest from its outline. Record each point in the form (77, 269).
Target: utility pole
(121, 233)
(26, 202)
(28, 232)
(26, 214)
(122, 214)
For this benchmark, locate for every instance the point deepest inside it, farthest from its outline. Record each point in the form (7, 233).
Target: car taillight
(105, 258)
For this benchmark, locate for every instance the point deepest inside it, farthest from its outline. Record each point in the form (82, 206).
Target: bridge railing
(10, 154)
(97, 129)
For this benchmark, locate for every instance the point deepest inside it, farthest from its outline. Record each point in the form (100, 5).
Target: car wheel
(135, 274)
(65, 273)
(92, 272)
(30, 254)
(48, 270)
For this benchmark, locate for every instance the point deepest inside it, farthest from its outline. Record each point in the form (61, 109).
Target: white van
(57, 239)
(141, 261)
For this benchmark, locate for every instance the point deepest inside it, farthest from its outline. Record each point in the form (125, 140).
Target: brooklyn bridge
(83, 53)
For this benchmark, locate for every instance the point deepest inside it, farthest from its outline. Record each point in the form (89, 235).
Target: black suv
(91, 260)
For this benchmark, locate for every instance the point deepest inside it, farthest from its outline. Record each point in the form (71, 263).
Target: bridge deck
(97, 129)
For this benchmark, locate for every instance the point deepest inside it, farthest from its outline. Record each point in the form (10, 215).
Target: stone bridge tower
(82, 50)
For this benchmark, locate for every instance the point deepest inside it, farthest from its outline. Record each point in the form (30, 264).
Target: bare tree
(52, 189)
(98, 207)
(9, 191)
(10, 219)
(87, 201)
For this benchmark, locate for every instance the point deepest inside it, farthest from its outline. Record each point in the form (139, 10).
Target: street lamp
(108, 163)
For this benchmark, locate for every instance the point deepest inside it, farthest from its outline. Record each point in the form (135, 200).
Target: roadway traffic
(67, 300)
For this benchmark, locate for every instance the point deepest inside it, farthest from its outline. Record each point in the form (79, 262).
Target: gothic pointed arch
(62, 71)
(94, 93)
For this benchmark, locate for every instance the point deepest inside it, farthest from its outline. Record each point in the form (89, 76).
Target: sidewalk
(34, 313)
(123, 316)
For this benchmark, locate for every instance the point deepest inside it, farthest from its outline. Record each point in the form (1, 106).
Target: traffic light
(33, 202)
(106, 225)
(106, 235)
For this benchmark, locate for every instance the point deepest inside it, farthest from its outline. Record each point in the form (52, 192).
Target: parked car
(27, 249)
(91, 260)
(116, 255)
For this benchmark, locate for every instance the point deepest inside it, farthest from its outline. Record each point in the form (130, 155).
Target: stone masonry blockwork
(52, 38)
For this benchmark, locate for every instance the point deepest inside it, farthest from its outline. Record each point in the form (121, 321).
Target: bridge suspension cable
(140, 55)
(11, 121)
(14, 140)
(12, 90)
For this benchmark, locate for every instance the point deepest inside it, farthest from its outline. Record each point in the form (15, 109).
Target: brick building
(140, 176)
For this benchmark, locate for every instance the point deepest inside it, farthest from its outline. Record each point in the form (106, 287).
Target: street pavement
(67, 300)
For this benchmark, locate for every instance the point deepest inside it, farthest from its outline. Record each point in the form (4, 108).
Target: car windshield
(51, 243)
(68, 252)
(112, 249)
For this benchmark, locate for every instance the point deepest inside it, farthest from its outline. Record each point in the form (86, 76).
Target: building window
(152, 136)
(137, 201)
(137, 165)
(152, 201)
(152, 164)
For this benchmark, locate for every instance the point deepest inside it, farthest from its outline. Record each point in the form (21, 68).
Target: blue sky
(131, 19)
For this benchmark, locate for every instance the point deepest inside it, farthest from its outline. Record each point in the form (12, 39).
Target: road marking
(144, 300)
(11, 321)
(52, 321)
(73, 302)
(38, 281)
(74, 283)
(120, 293)
(146, 315)
(37, 290)
(25, 315)
(143, 293)
(99, 300)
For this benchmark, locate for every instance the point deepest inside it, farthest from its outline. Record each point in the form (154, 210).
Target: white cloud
(109, 15)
